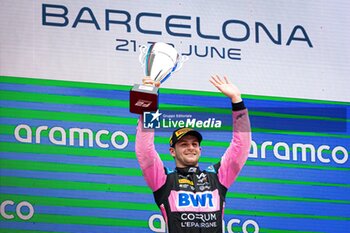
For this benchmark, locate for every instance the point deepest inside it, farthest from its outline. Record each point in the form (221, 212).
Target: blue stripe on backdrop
(315, 140)
(45, 141)
(323, 209)
(332, 193)
(274, 206)
(78, 194)
(92, 212)
(143, 198)
(310, 175)
(79, 177)
(136, 180)
(87, 160)
(302, 125)
(290, 207)
(71, 159)
(288, 224)
(67, 91)
(71, 228)
(295, 224)
(336, 193)
(264, 222)
(281, 172)
(98, 110)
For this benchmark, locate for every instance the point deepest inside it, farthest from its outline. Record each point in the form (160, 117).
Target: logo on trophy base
(160, 60)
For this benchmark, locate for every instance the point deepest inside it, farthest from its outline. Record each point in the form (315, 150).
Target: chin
(192, 163)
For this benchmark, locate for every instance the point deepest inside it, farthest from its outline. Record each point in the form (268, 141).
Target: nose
(191, 147)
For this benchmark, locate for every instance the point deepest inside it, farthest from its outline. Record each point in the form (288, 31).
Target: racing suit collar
(187, 170)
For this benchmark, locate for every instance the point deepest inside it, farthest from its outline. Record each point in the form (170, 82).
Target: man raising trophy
(190, 199)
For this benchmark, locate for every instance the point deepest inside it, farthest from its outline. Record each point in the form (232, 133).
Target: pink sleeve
(237, 153)
(151, 165)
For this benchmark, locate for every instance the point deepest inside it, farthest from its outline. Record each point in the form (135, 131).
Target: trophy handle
(180, 62)
(177, 66)
(143, 53)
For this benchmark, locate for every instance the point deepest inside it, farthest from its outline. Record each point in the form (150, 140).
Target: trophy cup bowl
(159, 61)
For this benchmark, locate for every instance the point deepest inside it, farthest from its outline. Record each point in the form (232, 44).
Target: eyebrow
(188, 141)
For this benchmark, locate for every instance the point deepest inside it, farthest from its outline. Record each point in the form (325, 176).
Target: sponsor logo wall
(67, 137)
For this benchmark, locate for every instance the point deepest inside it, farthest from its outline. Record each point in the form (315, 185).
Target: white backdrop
(31, 49)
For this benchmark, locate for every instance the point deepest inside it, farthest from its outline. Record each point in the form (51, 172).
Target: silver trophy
(159, 61)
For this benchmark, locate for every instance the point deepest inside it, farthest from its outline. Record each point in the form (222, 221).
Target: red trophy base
(143, 98)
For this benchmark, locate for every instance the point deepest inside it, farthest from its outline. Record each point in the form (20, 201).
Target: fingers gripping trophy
(159, 61)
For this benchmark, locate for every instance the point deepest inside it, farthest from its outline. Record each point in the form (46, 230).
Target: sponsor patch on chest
(185, 181)
(181, 201)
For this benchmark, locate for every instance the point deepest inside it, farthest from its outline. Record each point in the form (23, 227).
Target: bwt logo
(195, 200)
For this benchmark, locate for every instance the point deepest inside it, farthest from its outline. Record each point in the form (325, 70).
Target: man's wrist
(238, 106)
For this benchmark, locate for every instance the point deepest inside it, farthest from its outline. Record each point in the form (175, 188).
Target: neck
(185, 166)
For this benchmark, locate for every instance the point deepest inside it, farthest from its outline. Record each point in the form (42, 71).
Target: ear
(172, 151)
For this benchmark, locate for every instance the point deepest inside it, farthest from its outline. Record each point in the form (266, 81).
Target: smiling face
(186, 151)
